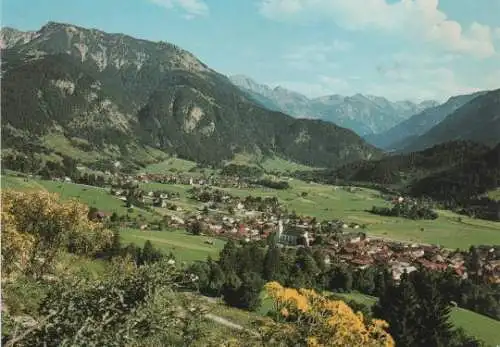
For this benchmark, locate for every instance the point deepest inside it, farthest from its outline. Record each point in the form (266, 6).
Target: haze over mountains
(68, 90)
(81, 92)
(392, 126)
(364, 114)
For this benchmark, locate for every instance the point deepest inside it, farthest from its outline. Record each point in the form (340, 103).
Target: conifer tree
(398, 306)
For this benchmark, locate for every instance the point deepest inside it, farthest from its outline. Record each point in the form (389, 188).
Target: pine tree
(272, 264)
(228, 257)
(230, 289)
(216, 279)
(249, 291)
(435, 329)
(398, 306)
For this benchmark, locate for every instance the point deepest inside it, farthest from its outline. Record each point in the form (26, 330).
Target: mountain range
(402, 134)
(364, 114)
(84, 93)
(477, 120)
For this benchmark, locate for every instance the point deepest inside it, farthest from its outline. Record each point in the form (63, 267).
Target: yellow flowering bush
(36, 225)
(311, 319)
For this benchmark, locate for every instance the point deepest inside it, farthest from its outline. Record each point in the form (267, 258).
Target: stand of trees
(406, 210)
(241, 271)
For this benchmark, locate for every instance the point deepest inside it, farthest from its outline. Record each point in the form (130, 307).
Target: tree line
(242, 270)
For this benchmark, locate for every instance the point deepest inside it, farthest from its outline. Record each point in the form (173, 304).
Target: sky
(400, 49)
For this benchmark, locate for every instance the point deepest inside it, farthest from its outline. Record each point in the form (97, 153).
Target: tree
(149, 254)
(303, 317)
(195, 228)
(37, 225)
(398, 306)
(272, 264)
(216, 279)
(434, 310)
(228, 257)
(114, 217)
(340, 278)
(231, 289)
(249, 291)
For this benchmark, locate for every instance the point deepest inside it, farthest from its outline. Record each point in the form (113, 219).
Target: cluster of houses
(255, 218)
(186, 179)
(352, 246)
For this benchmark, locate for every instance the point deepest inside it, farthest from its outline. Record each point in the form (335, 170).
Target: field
(324, 202)
(92, 196)
(321, 201)
(184, 246)
(170, 165)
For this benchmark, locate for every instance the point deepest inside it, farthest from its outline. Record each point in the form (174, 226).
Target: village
(249, 218)
(222, 215)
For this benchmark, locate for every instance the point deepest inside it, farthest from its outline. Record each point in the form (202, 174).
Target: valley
(148, 199)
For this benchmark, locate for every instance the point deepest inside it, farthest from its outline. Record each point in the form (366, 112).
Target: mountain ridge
(114, 92)
(364, 114)
(478, 120)
(399, 136)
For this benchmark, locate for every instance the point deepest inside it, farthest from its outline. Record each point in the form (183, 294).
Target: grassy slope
(321, 201)
(169, 165)
(92, 196)
(184, 246)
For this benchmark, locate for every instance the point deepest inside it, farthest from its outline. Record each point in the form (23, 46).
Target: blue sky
(400, 49)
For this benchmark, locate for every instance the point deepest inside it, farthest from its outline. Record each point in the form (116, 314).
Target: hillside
(478, 120)
(469, 179)
(400, 170)
(400, 135)
(404, 168)
(118, 96)
(364, 114)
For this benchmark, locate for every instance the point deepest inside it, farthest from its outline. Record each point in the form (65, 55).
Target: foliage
(406, 210)
(127, 308)
(307, 318)
(37, 225)
(273, 184)
(418, 313)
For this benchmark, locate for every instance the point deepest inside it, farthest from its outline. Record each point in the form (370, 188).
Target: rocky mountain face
(113, 94)
(478, 120)
(364, 114)
(402, 134)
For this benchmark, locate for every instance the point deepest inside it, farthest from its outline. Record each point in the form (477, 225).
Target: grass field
(184, 246)
(169, 165)
(321, 201)
(282, 165)
(92, 196)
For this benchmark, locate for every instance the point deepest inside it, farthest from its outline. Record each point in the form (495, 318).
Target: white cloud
(192, 8)
(309, 56)
(420, 82)
(414, 19)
